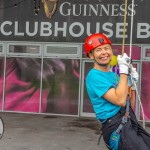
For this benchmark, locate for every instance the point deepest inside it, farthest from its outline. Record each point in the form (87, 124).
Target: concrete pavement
(45, 132)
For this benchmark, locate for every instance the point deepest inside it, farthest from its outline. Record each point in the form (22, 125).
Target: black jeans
(133, 136)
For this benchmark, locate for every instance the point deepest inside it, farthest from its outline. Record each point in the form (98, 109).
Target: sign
(73, 20)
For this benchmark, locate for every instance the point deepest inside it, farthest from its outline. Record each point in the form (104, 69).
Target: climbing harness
(124, 118)
(115, 136)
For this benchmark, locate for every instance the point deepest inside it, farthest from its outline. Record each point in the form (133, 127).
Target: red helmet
(94, 41)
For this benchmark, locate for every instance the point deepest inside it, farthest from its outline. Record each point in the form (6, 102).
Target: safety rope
(124, 29)
(139, 99)
(123, 45)
(131, 29)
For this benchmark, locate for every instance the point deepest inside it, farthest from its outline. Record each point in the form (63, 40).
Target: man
(109, 96)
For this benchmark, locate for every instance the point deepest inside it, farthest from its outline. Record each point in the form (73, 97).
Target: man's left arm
(132, 80)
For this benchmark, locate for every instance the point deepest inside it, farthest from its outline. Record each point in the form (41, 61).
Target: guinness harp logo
(49, 7)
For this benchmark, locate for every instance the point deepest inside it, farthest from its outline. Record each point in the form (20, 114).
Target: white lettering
(72, 26)
(3, 28)
(115, 10)
(16, 32)
(63, 29)
(46, 29)
(75, 10)
(88, 29)
(64, 11)
(120, 30)
(35, 29)
(68, 9)
(74, 29)
(107, 29)
(143, 30)
(131, 11)
(106, 10)
(93, 9)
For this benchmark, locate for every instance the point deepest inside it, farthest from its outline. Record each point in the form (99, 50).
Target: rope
(143, 115)
(123, 43)
(124, 29)
(131, 30)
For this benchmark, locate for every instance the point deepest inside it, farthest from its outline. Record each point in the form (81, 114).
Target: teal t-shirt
(97, 84)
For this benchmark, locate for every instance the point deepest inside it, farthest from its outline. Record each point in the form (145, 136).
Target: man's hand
(124, 63)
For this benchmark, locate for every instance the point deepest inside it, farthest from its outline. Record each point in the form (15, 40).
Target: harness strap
(127, 105)
(123, 122)
(124, 118)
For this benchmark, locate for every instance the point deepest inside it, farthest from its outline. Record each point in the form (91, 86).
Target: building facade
(43, 64)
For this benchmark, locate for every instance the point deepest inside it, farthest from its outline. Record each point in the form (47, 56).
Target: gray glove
(133, 77)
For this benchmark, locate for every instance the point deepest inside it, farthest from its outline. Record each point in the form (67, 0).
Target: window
(23, 50)
(146, 52)
(62, 50)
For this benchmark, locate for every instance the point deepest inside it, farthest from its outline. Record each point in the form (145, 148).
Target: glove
(133, 77)
(124, 63)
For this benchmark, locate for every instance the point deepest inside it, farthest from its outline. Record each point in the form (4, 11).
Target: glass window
(135, 54)
(87, 106)
(1, 48)
(22, 86)
(61, 80)
(145, 94)
(1, 80)
(23, 50)
(62, 50)
(146, 53)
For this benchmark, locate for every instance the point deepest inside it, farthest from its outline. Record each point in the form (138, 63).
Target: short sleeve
(100, 86)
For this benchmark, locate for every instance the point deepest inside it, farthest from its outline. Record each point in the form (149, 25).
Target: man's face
(102, 54)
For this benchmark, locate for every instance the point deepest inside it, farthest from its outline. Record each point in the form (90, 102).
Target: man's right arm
(119, 95)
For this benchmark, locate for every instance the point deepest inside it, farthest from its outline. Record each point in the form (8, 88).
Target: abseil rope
(124, 27)
(123, 43)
